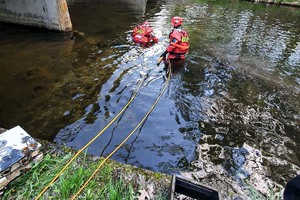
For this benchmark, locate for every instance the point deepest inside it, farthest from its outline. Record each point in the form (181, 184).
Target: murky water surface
(229, 115)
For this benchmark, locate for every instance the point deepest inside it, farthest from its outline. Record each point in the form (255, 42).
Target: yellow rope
(142, 121)
(91, 141)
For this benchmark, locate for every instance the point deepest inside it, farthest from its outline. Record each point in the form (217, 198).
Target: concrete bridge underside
(52, 14)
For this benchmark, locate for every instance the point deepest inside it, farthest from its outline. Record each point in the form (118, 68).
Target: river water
(229, 117)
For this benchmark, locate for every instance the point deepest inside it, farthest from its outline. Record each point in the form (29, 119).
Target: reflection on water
(229, 117)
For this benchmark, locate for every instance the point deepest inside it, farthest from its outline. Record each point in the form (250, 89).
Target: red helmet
(146, 24)
(176, 21)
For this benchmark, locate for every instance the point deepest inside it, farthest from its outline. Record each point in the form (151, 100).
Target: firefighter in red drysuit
(178, 46)
(143, 35)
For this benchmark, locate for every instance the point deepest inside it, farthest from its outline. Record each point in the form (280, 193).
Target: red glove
(155, 39)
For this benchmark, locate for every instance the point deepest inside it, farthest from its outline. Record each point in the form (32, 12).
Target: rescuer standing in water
(178, 46)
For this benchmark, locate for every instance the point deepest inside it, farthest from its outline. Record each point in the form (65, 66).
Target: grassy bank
(113, 181)
(295, 3)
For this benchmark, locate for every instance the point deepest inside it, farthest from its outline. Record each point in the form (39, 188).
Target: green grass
(107, 184)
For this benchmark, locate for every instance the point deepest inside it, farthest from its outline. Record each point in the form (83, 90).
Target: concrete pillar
(50, 14)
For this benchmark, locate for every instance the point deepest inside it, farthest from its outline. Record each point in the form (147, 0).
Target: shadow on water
(32, 60)
(229, 116)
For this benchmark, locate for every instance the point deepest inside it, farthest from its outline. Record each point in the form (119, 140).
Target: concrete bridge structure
(50, 14)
